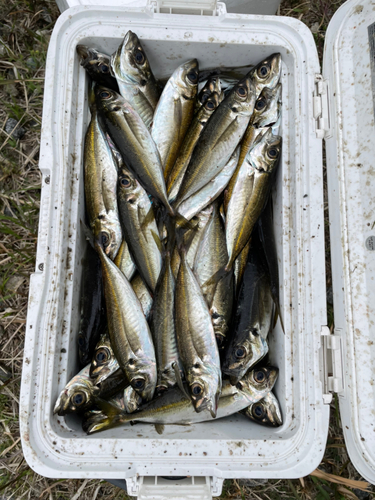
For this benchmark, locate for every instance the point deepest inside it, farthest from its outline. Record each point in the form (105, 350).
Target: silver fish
(211, 191)
(211, 256)
(100, 185)
(174, 113)
(134, 77)
(266, 411)
(173, 407)
(196, 341)
(128, 329)
(139, 227)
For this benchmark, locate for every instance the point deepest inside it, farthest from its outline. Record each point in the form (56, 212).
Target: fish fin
(100, 422)
(157, 241)
(278, 315)
(179, 380)
(108, 408)
(149, 219)
(89, 235)
(213, 282)
(159, 428)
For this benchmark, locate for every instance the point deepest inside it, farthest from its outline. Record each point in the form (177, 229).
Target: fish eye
(104, 94)
(240, 352)
(260, 104)
(81, 340)
(196, 389)
(139, 57)
(263, 71)
(104, 238)
(138, 383)
(258, 411)
(104, 68)
(205, 96)
(209, 105)
(101, 355)
(273, 153)
(259, 376)
(197, 365)
(241, 91)
(79, 398)
(192, 76)
(125, 182)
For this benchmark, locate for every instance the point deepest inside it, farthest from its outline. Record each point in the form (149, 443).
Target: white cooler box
(313, 362)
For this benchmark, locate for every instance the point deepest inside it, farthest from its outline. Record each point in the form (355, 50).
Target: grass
(25, 28)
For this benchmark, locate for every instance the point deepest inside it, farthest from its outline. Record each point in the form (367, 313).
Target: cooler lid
(349, 69)
(204, 7)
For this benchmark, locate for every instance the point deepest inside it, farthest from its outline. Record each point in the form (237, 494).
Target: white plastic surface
(351, 183)
(233, 447)
(233, 6)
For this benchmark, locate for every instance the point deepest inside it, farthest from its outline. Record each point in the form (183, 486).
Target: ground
(25, 29)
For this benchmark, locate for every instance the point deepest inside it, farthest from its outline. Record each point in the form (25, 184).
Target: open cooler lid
(206, 7)
(349, 70)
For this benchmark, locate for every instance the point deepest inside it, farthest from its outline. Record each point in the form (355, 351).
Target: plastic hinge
(160, 488)
(320, 107)
(333, 377)
(200, 8)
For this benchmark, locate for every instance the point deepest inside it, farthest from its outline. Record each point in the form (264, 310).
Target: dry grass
(25, 28)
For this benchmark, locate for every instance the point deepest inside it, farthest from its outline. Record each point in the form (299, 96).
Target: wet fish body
(196, 341)
(134, 142)
(219, 139)
(139, 227)
(251, 192)
(174, 113)
(174, 407)
(128, 330)
(100, 184)
(135, 79)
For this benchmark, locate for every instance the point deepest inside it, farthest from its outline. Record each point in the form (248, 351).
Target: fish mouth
(83, 51)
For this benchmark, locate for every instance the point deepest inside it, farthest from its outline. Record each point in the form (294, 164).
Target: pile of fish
(180, 284)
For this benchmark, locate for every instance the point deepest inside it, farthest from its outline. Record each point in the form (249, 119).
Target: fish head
(213, 85)
(103, 362)
(130, 63)
(204, 381)
(242, 355)
(108, 235)
(256, 383)
(209, 106)
(128, 188)
(267, 73)
(266, 411)
(142, 376)
(185, 78)
(242, 97)
(267, 107)
(111, 103)
(132, 400)
(220, 326)
(93, 61)
(266, 152)
(76, 397)
(167, 378)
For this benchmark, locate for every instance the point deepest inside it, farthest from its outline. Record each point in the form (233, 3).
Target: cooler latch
(320, 107)
(333, 375)
(200, 8)
(163, 488)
